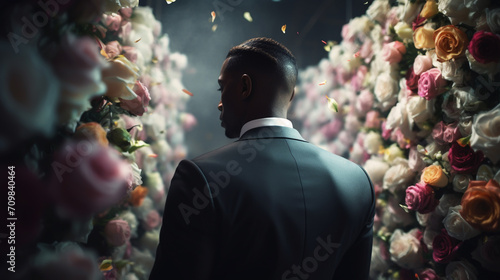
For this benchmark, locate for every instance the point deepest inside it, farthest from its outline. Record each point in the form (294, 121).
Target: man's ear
(293, 94)
(247, 86)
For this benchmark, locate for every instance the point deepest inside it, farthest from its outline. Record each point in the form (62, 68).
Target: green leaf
(137, 145)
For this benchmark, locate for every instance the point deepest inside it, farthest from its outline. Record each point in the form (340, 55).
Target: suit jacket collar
(266, 132)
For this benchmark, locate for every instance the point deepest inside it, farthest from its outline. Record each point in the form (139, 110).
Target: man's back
(278, 208)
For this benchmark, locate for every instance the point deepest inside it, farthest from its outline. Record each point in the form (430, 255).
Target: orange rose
(430, 9)
(423, 37)
(481, 205)
(434, 176)
(92, 131)
(137, 196)
(450, 42)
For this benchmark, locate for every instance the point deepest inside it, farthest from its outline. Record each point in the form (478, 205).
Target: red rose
(421, 198)
(427, 274)
(464, 159)
(444, 247)
(484, 47)
(412, 80)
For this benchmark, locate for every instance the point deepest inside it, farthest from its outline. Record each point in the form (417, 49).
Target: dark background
(189, 27)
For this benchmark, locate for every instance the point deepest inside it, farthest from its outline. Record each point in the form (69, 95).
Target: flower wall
(94, 119)
(417, 89)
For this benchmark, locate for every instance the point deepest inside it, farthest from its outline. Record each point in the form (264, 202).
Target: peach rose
(120, 77)
(92, 131)
(450, 42)
(481, 205)
(430, 9)
(423, 37)
(434, 176)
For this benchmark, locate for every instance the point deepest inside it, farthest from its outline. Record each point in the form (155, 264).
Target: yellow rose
(434, 176)
(481, 205)
(450, 42)
(120, 77)
(430, 9)
(423, 37)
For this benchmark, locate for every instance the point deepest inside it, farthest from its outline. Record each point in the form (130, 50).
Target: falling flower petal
(138, 40)
(323, 42)
(247, 16)
(332, 104)
(214, 27)
(322, 83)
(153, 155)
(283, 28)
(356, 54)
(213, 16)
(187, 92)
(170, 1)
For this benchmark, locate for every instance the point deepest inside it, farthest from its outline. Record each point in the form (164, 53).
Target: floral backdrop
(93, 116)
(416, 86)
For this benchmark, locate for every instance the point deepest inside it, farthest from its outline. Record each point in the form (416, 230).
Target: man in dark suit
(270, 205)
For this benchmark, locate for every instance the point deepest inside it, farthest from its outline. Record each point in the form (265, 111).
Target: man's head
(257, 80)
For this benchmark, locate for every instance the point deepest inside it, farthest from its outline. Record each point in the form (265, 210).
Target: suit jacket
(268, 206)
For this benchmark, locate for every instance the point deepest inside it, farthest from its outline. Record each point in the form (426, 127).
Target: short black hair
(267, 54)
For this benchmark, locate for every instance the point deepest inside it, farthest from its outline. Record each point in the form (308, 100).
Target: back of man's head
(267, 57)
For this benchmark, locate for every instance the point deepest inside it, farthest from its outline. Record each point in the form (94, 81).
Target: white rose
(378, 10)
(493, 19)
(461, 182)
(465, 124)
(405, 249)
(386, 90)
(486, 133)
(360, 26)
(490, 68)
(398, 117)
(421, 64)
(131, 219)
(419, 110)
(112, 6)
(372, 142)
(378, 264)
(156, 188)
(155, 125)
(404, 31)
(497, 176)
(376, 168)
(454, 10)
(453, 70)
(394, 216)
(415, 161)
(398, 177)
(457, 226)
(143, 262)
(144, 46)
(143, 210)
(150, 240)
(408, 10)
(29, 95)
(484, 173)
(179, 60)
(446, 201)
(462, 270)
(428, 237)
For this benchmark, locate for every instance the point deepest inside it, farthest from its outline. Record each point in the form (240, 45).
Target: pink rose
(332, 128)
(427, 274)
(415, 161)
(444, 247)
(88, 178)
(112, 21)
(364, 101)
(130, 53)
(373, 120)
(113, 49)
(406, 249)
(421, 198)
(393, 52)
(431, 84)
(139, 105)
(386, 133)
(421, 64)
(444, 134)
(152, 220)
(188, 121)
(117, 232)
(464, 159)
(359, 77)
(484, 47)
(126, 13)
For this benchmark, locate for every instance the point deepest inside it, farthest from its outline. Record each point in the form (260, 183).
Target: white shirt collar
(272, 121)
